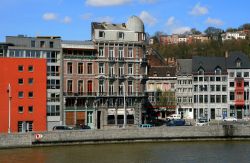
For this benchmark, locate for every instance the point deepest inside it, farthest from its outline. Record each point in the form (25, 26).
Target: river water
(161, 152)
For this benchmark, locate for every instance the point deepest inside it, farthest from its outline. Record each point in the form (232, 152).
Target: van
(174, 116)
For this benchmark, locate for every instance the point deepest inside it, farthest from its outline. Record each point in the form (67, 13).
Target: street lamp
(125, 114)
(9, 97)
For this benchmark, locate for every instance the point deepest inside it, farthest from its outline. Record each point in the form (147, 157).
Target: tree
(232, 29)
(211, 31)
(245, 26)
(194, 31)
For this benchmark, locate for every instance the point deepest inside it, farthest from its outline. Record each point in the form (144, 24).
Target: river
(160, 152)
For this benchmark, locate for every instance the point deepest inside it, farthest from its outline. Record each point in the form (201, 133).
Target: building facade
(122, 64)
(49, 48)
(80, 83)
(23, 95)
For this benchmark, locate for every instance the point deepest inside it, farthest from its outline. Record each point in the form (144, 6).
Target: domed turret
(134, 23)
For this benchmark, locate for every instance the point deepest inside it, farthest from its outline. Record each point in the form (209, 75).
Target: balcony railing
(106, 94)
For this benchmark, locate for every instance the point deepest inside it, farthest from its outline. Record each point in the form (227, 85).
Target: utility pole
(9, 99)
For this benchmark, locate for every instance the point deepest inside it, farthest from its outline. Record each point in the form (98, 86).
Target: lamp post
(9, 97)
(125, 114)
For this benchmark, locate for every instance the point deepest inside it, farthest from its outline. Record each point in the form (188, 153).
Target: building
(160, 87)
(121, 72)
(49, 48)
(80, 82)
(233, 35)
(209, 87)
(23, 94)
(184, 88)
(238, 68)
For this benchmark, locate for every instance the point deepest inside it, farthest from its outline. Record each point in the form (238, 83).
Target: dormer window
(101, 34)
(201, 71)
(155, 74)
(238, 63)
(217, 71)
(120, 35)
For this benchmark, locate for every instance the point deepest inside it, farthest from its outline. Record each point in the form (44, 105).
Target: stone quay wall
(186, 133)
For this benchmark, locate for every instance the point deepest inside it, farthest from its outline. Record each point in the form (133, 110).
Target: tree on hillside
(211, 31)
(194, 31)
(231, 29)
(245, 26)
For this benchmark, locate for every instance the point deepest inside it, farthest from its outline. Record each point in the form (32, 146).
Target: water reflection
(161, 152)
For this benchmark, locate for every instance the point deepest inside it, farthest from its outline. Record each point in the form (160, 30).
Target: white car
(174, 116)
(230, 119)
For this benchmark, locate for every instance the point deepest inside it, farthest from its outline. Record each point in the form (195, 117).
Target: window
(101, 87)
(69, 68)
(30, 68)
(246, 74)
(30, 80)
(20, 109)
(30, 109)
(33, 43)
(20, 81)
(121, 88)
(111, 88)
(20, 94)
(211, 78)
(130, 53)
(80, 68)
(212, 98)
(218, 88)
(51, 44)
(121, 70)
(25, 126)
(201, 71)
(238, 74)
(111, 52)
(120, 35)
(195, 78)
(20, 68)
(231, 84)
(80, 86)
(130, 87)
(30, 95)
(130, 69)
(231, 95)
(101, 34)
(224, 88)
(238, 63)
(101, 68)
(101, 52)
(212, 88)
(217, 71)
(111, 70)
(217, 78)
(120, 53)
(218, 99)
(224, 98)
(42, 44)
(231, 74)
(53, 110)
(69, 86)
(89, 68)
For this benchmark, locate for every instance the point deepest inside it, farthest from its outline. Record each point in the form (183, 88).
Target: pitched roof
(209, 64)
(162, 71)
(232, 59)
(184, 66)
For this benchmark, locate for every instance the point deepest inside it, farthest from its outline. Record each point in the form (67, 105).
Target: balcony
(121, 59)
(80, 94)
(79, 57)
(111, 76)
(143, 61)
(121, 76)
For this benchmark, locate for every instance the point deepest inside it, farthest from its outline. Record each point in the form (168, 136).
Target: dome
(134, 23)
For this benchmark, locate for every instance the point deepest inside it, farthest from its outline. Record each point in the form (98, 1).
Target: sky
(71, 19)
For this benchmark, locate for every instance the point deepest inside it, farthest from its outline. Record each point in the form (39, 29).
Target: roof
(184, 66)
(162, 71)
(78, 44)
(108, 26)
(232, 59)
(87, 42)
(209, 64)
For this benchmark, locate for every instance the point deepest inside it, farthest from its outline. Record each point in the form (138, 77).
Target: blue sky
(71, 19)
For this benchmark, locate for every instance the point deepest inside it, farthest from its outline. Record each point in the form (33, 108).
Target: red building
(26, 94)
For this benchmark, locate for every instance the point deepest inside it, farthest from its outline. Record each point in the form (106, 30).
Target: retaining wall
(126, 135)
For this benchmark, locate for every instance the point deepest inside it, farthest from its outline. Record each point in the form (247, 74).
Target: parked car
(176, 122)
(174, 116)
(81, 127)
(62, 128)
(230, 119)
(145, 125)
(202, 122)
